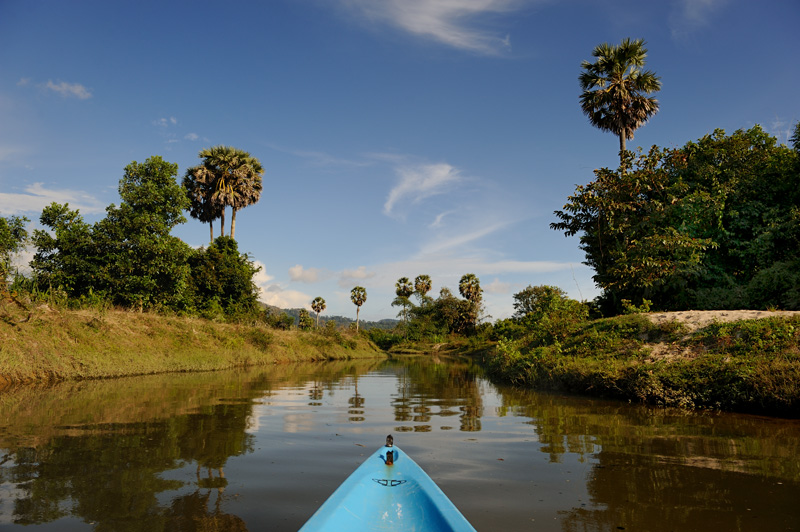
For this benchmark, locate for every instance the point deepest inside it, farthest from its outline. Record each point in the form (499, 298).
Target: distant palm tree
(229, 177)
(423, 285)
(403, 289)
(358, 296)
(615, 88)
(318, 305)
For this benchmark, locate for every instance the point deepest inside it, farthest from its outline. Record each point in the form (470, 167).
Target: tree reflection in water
(156, 453)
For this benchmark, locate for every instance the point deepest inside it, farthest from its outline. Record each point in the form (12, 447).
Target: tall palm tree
(234, 180)
(403, 289)
(422, 285)
(358, 296)
(198, 183)
(318, 305)
(470, 288)
(615, 89)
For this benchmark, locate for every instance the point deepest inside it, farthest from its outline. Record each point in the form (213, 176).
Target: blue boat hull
(397, 497)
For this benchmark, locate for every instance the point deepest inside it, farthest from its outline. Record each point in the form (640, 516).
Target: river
(261, 449)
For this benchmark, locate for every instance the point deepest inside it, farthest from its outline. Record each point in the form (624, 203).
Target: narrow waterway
(262, 449)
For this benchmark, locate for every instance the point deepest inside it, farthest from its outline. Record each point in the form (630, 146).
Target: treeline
(129, 258)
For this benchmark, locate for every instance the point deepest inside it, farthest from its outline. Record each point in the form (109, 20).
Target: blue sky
(398, 137)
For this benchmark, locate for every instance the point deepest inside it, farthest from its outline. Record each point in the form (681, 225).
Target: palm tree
(318, 305)
(403, 289)
(470, 288)
(615, 88)
(198, 183)
(422, 284)
(358, 296)
(232, 178)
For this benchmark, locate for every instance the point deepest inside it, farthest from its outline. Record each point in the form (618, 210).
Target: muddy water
(261, 450)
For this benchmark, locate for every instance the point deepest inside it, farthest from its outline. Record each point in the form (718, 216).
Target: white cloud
(347, 277)
(451, 22)
(191, 136)
(303, 275)
(420, 182)
(69, 89)
(37, 197)
(278, 296)
(165, 122)
(497, 287)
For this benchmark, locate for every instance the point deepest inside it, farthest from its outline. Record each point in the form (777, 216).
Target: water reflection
(232, 450)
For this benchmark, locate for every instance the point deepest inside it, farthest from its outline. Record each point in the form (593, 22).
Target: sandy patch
(697, 319)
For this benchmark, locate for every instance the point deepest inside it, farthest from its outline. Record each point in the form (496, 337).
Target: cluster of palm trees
(227, 177)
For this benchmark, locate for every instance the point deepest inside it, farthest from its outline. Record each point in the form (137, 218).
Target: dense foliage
(712, 225)
(129, 258)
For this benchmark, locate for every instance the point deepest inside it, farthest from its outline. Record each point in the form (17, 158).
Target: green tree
(318, 305)
(615, 89)
(713, 225)
(422, 285)
(13, 237)
(222, 278)
(141, 263)
(470, 288)
(227, 177)
(358, 295)
(66, 257)
(304, 321)
(547, 314)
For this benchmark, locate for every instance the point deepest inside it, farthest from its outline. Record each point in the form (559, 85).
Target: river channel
(261, 449)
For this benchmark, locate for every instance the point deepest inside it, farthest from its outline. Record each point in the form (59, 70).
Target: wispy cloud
(165, 122)
(318, 158)
(36, 197)
(68, 90)
(419, 182)
(457, 23)
(690, 15)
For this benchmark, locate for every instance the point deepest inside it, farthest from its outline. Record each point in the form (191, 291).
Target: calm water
(262, 449)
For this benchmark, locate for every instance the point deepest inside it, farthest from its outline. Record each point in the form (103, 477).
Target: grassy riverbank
(85, 344)
(744, 366)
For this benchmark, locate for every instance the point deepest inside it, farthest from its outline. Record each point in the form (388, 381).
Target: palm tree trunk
(211, 230)
(222, 224)
(233, 222)
(358, 309)
(622, 147)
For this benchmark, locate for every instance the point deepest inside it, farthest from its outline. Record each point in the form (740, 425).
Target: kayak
(389, 491)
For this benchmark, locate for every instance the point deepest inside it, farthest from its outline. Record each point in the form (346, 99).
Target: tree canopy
(227, 177)
(712, 225)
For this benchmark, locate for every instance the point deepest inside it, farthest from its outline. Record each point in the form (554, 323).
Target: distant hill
(340, 321)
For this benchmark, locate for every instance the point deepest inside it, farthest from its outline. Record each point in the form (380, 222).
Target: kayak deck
(380, 495)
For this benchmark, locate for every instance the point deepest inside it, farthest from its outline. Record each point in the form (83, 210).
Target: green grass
(746, 366)
(81, 344)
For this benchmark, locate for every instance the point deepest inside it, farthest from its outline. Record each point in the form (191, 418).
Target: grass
(83, 344)
(746, 366)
